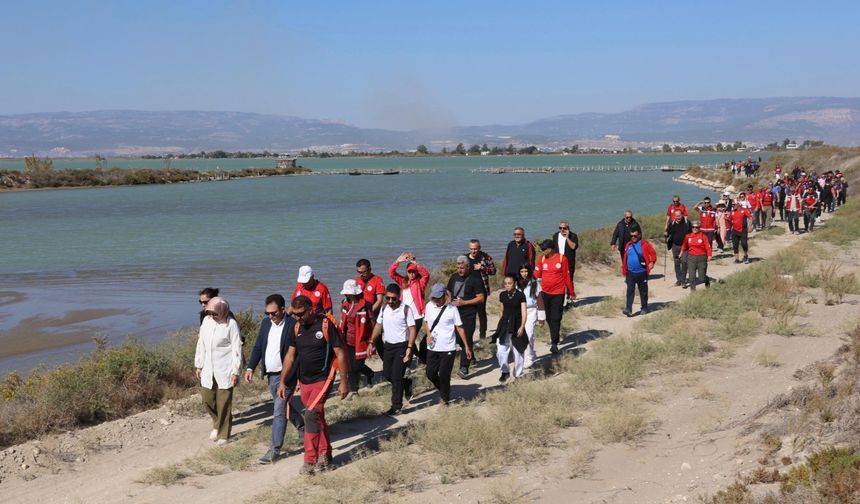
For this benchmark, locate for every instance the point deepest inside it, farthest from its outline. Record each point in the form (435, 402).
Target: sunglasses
(563, 228)
(299, 314)
(272, 313)
(203, 302)
(391, 299)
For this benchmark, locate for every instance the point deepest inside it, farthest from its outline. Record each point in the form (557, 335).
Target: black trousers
(469, 329)
(639, 280)
(482, 318)
(394, 370)
(554, 306)
(739, 240)
(356, 368)
(439, 366)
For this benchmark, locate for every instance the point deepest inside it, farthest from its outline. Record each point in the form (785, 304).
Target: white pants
(531, 320)
(504, 348)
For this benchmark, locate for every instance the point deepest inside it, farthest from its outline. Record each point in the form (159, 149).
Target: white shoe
(213, 435)
(221, 442)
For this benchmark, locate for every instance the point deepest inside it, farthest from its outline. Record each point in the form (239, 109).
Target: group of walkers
(301, 345)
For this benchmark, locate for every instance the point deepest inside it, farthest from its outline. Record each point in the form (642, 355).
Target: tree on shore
(475, 149)
(460, 150)
(38, 170)
(422, 149)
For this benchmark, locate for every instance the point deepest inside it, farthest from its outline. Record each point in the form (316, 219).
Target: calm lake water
(136, 256)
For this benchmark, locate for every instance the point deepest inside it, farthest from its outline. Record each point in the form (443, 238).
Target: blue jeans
(279, 413)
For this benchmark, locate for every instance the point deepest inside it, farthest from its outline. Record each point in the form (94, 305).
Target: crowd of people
(302, 346)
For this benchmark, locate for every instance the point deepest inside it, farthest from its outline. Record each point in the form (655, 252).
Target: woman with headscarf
(217, 362)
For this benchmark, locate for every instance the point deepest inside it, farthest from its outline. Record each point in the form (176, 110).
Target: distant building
(791, 146)
(612, 137)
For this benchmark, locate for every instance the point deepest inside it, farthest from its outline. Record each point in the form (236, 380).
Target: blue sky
(419, 64)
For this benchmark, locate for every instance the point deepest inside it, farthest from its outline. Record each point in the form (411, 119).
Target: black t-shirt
(512, 308)
(314, 355)
(467, 288)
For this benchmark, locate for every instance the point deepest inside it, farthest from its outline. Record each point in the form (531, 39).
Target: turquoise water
(148, 249)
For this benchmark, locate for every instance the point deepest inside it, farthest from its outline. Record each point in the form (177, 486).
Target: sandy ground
(702, 435)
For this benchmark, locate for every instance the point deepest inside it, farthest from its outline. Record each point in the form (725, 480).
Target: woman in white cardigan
(218, 360)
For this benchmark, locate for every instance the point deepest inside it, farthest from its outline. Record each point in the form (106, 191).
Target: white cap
(351, 287)
(305, 274)
(726, 193)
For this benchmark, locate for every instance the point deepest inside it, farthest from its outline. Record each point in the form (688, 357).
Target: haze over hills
(130, 132)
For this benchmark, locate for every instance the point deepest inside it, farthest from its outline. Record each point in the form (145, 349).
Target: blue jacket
(259, 351)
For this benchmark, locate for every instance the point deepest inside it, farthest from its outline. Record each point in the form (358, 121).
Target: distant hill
(130, 132)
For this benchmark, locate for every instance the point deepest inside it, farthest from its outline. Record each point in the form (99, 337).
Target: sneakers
(504, 377)
(746, 260)
(350, 396)
(679, 283)
(553, 349)
(221, 442)
(644, 310)
(463, 373)
(686, 285)
(213, 435)
(392, 411)
(627, 312)
(370, 379)
(270, 456)
(307, 469)
(737, 261)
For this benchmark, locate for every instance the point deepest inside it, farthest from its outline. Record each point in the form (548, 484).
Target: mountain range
(133, 132)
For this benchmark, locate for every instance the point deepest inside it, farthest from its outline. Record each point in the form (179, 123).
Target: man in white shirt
(273, 341)
(396, 322)
(442, 325)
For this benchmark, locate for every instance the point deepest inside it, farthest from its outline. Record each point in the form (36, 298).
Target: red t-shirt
(371, 289)
(697, 244)
(737, 217)
(754, 200)
(670, 212)
(810, 201)
(554, 275)
(320, 296)
(767, 198)
(708, 218)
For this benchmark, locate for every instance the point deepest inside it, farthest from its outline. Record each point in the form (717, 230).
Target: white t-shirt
(444, 334)
(395, 323)
(562, 242)
(273, 348)
(407, 300)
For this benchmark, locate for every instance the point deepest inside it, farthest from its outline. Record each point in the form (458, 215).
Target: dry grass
(607, 308)
(165, 475)
(623, 421)
(509, 493)
(579, 462)
(767, 359)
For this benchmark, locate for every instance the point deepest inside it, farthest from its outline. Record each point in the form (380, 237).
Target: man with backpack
(396, 322)
(317, 349)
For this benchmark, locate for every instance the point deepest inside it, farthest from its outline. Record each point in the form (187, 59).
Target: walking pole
(665, 255)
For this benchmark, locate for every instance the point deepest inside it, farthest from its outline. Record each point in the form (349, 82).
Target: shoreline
(89, 178)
